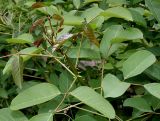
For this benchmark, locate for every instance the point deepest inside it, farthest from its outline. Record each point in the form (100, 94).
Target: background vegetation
(80, 60)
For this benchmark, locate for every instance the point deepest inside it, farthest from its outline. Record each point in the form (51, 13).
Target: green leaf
(116, 2)
(65, 80)
(118, 12)
(50, 106)
(153, 89)
(34, 95)
(7, 115)
(3, 93)
(72, 20)
(27, 55)
(90, 15)
(155, 50)
(138, 103)
(8, 67)
(152, 101)
(90, 1)
(153, 71)
(113, 87)
(138, 18)
(17, 70)
(49, 10)
(22, 39)
(106, 47)
(27, 52)
(85, 118)
(42, 117)
(83, 53)
(128, 34)
(90, 98)
(137, 63)
(153, 6)
(77, 3)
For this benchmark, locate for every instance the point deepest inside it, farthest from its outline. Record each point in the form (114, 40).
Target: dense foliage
(81, 60)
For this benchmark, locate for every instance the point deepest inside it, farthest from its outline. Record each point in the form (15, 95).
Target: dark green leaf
(7, 115)
(138, 103)
(85, 118)
(42, 117)
(3, 93)
(153, 71)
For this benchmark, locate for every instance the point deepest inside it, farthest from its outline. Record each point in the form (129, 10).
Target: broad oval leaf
(113, 87)
(8, 115)
(137, 63)
(42, 117)
(34, 95)
(24, 38)
(153, 89)
(17, 70)
(90, 98)
(138, 103)
(128, 34)
(153, 5)
(118, 12)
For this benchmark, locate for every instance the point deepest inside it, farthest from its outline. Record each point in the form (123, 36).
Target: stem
(66, 94)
